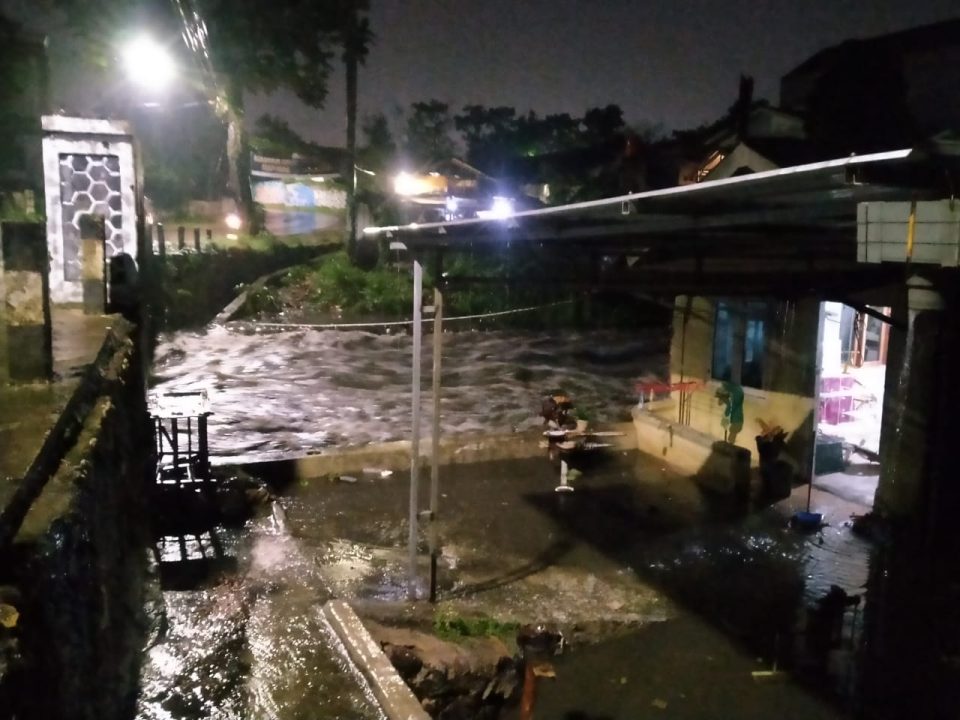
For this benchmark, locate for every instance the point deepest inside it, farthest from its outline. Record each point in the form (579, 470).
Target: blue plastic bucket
(807, 520)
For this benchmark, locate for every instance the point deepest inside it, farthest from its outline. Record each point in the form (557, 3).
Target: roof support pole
(906, 478)
(415, 430)
(435, 436)
(817, 383)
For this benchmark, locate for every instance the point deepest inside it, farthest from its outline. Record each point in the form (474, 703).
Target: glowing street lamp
(405, 184)
(148, 63)
(233, 221)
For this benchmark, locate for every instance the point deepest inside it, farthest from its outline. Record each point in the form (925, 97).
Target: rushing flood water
(284, 394)
(248, 640)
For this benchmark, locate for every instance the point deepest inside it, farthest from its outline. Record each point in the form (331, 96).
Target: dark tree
(273, 136)
(549, 134)
(428, 132)
(602, 124)
(489, 134)
(495, 136)
(379, 150)
(355, 37)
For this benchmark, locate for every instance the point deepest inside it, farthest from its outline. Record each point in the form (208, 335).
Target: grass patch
(450, 626)
(336, 284)
(335, 287)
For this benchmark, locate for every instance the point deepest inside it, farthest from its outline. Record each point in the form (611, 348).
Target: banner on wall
(295, 183)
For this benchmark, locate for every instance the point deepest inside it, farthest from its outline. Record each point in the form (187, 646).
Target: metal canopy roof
(807, 199)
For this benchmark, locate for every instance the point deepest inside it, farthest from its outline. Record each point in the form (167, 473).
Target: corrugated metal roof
(813, 195)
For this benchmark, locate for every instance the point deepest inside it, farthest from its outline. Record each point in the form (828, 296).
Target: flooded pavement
(244, 636)
(665, 593)
(286, 394)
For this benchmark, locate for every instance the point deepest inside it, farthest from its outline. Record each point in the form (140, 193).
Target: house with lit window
(766, 350)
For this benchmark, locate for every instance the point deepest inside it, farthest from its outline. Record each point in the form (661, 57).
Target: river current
(280, 394)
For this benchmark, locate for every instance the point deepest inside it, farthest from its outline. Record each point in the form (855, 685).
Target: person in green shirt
(730, 395)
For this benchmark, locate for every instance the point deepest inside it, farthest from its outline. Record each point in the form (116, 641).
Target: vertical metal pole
(351, 60)
(435, 437)
(817, 380)
(202, 447)
(415, 430)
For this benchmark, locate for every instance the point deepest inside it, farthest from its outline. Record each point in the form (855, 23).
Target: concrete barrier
(396, 699)
(454, 450)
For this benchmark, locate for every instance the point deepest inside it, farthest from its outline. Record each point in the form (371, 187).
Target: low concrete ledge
(396, 699)
(454, 449)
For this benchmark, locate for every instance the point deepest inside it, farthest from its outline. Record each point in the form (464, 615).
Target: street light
(148, 63)
(406, 184)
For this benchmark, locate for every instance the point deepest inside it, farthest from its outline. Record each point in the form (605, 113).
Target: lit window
(723, 344)
(739, 337)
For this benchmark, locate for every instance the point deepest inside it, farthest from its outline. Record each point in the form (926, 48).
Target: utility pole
(351, 60)
(435, 436)
(415, 431)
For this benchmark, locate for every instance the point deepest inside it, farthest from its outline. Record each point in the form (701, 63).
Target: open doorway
(850, 400)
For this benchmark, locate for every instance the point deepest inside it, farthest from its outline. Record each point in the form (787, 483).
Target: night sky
(675, 62)
(670, 62)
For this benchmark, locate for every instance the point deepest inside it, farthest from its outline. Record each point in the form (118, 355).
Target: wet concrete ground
(856, 483)
(667, 593)
(243, 635)
(27, 411)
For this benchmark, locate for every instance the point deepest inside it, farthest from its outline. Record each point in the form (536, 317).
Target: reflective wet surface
(244, 634)
(666, 593)
(683, 594)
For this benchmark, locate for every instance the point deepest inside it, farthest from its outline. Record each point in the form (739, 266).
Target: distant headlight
(500, 209)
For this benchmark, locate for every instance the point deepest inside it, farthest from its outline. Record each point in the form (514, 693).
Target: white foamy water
(286, 394)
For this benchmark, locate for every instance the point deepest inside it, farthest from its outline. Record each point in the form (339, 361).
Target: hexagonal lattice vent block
(90, 184)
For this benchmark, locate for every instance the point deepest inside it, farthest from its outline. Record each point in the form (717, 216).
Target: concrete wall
(79, 558)
(25, 324)
(785, 399)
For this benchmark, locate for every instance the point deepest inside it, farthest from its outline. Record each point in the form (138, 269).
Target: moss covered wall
(192, 288)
